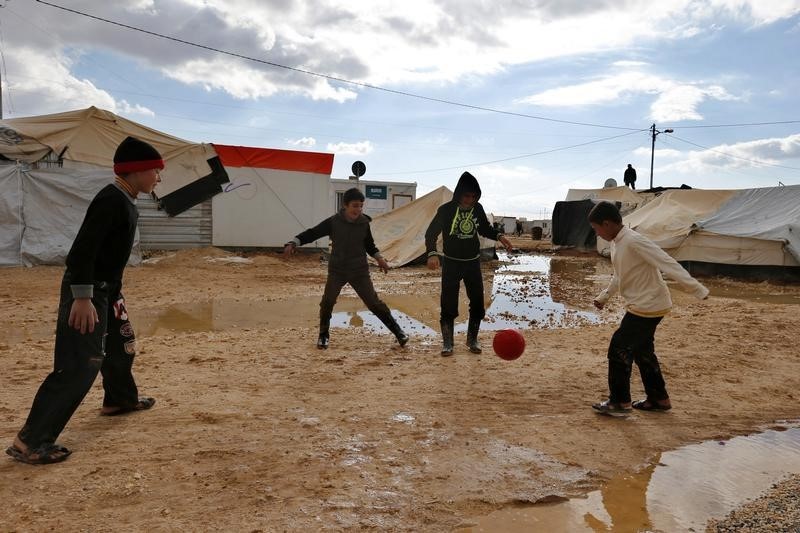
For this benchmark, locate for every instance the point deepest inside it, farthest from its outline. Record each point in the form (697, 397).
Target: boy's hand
(505, 242)
(288, 250)
(433, 262)
(83, 315)
(599, 305)
(383, 265)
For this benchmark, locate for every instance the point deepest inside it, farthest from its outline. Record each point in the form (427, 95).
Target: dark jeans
(452, 274)
(361, 283)
(633, 343)
(110, 349)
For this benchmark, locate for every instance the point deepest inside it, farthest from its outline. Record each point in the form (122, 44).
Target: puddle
(527, 292)
(680, 491)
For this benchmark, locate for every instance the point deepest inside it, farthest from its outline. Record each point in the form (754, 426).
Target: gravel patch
(776, 511)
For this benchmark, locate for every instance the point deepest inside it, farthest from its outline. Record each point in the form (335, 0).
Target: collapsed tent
(400, 234)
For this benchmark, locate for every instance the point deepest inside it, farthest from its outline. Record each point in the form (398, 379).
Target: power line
(543, 152)
(333, 78)
(776, 123)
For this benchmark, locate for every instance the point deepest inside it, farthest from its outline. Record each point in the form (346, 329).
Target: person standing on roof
(630, 177)
(460, 222)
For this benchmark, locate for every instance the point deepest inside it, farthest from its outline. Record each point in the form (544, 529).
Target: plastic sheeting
(41, 220)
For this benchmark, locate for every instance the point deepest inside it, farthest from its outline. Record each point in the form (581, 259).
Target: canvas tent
(51, 166)
(400, 234)
(749, 227)
(747, 232)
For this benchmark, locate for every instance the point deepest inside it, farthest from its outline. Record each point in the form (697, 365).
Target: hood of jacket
(466, 183)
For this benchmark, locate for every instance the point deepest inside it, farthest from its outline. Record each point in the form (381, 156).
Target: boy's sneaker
(611, 409)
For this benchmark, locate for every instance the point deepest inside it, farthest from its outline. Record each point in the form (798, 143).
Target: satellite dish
(359, 168)
(610, 182)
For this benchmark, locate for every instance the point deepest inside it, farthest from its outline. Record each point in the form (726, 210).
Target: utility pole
(655, 132)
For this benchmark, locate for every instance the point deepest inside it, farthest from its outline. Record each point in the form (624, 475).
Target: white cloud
(674, 100)
(45, 84)
(750, 154)
(305, 142)
(359, 148)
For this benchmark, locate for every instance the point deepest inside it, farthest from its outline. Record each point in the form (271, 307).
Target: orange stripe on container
(243, 156)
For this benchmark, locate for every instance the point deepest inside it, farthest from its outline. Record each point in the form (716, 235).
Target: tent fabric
(747, 227)
(92, 135)
(47, 211)
(400, 234)
(293, 160)
(669, 218)
(770, 213)
(10, 215)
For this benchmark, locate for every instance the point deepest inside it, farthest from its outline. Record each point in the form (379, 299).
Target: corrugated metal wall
(190, 229)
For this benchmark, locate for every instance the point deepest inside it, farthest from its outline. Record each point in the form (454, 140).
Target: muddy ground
(257, 430)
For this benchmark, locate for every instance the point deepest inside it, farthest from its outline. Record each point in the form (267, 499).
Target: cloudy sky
(534, 97)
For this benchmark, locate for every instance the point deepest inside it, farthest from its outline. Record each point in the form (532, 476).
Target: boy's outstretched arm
(323, 229)
(657, 257)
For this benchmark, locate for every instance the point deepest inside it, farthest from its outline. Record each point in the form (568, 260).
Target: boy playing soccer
(351, 240)
(460, 221)
(638, 264)
(93, 333)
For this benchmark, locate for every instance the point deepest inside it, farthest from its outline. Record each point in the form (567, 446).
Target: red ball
(508, 344)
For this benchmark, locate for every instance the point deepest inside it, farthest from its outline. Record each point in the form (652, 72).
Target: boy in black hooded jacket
(460, 221)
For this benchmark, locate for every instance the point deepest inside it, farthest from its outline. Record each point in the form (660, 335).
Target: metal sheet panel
(158, 231)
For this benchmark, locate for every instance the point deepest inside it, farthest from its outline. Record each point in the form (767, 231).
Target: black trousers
(110, 349)
(632, 343)
(362, 284)
(453, 272)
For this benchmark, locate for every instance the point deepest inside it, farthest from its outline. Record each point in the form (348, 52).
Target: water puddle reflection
(525, 292)
(681, 491)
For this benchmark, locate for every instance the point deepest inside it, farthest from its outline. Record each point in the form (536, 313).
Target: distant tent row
(51, 166)
(744, 231)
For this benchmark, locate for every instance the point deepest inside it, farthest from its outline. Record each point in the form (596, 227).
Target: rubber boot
(447, 337)
(472, 337)
(324, 336)
(395, 328)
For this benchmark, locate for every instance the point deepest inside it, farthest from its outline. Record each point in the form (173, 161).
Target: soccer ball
(508, 344)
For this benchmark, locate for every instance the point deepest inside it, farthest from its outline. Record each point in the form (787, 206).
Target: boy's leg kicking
(362, 284)
(333, 286)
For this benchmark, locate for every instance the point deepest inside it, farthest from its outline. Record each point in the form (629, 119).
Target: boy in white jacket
(638, 264)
